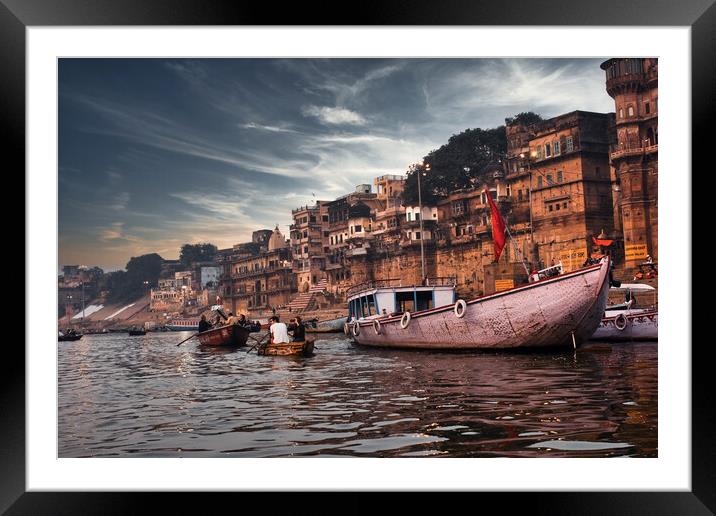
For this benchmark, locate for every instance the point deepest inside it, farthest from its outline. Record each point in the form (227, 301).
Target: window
(570, 144)
(539, 181)
(647, 108)
(409, 216)
(417, 216)
(557, 207)
(549, 179)
(550, 207)
(564, 205)
(324, 218)
(358, 228)
(305, 249)
(597, 171)
(519, 195)
(630, 111)
(556, 148)
(621, 113)
(547, 150)
(417, 235)
(331, 240)
(560, 178)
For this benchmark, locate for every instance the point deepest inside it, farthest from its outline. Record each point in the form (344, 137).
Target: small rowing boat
(304, 348)
(231, 335)
(62, 337)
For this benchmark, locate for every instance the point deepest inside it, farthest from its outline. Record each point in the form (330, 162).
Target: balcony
(260, 271)
(623, 152)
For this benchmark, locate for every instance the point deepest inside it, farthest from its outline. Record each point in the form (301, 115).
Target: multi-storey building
(261, 280)
(309, 244)
(633, 84)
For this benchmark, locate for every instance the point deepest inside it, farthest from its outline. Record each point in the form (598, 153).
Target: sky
(156, 153)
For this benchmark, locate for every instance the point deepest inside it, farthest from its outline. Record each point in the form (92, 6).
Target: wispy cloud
(334, 115)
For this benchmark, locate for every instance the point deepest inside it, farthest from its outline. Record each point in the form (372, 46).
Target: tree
(525, 118)
(192, 253)
(457, 164)
(128, 285)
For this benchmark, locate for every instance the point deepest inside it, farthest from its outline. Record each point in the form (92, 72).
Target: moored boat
(327, 326)
(232, 335)
(134, 333)
(183, 324)
(304, 348)
(561, 310)
(62, 337)
(639, 324)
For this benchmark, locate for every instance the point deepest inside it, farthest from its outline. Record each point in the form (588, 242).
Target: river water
(122, 396)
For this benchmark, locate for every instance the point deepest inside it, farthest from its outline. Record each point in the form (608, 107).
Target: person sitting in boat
(204, 325)
(299, 330)
(232, 319)
(278, 330)
(243, 321)
(629, 298)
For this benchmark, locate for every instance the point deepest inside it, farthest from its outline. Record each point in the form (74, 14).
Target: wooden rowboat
(304, 348)
(232, 335)
(329, 326)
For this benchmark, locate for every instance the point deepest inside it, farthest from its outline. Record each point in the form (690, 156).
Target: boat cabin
(385, 297)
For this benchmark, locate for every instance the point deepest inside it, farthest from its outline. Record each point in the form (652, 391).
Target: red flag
(498, 227)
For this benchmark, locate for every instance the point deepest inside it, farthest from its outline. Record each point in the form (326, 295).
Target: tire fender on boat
(620, 322)
(460, 308)
(376, 326)
(405, 320)
(356, 329)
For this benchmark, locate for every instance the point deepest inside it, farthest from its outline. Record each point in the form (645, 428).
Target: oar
(258, 342)
(182, 342)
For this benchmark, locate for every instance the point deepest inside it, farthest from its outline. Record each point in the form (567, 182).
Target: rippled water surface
(122, 396)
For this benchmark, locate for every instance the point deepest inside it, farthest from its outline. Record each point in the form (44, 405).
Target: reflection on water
(144, 396)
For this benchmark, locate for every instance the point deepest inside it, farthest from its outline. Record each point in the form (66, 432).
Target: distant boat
(231, 335)
(62, 337)
(134, 333)
(183, 324)
(328, 326)
(561, 310)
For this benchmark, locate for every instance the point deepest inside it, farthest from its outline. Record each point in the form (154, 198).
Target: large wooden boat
(304, 348)
(232, 335)
(562, 310)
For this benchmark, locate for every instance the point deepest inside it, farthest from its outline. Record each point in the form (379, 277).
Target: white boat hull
(636, 325)
(561, 311)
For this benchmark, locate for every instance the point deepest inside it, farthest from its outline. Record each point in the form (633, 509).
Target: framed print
(447, 217)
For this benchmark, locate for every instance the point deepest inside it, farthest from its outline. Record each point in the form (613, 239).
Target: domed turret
(277, 241)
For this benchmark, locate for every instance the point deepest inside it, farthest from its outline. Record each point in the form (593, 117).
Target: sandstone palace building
(572, 187)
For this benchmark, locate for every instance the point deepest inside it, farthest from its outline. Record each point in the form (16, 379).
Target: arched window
(630, 110)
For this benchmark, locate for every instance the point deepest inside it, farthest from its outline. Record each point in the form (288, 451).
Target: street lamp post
(421, 169)
(532, 236)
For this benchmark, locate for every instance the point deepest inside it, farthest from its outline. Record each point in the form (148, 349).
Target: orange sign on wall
(504, 284)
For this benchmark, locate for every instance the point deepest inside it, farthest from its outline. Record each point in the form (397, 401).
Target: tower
(633, 84)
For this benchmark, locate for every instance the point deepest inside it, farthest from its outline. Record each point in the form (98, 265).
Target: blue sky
(155, 153)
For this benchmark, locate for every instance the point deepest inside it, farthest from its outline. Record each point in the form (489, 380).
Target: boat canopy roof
(634, 286)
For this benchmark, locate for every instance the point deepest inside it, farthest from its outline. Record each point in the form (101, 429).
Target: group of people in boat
(280, 332)
(283, 334)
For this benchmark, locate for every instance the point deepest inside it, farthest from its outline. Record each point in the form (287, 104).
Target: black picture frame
(16, 15)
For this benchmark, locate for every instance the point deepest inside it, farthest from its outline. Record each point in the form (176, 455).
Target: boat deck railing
(448, 281)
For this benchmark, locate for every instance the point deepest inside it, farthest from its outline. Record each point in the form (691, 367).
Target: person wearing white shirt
(279, 331)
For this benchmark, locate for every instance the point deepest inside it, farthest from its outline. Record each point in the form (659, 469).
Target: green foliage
(457, 164)
(192, 253)
(525, 118)
(128, 285)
